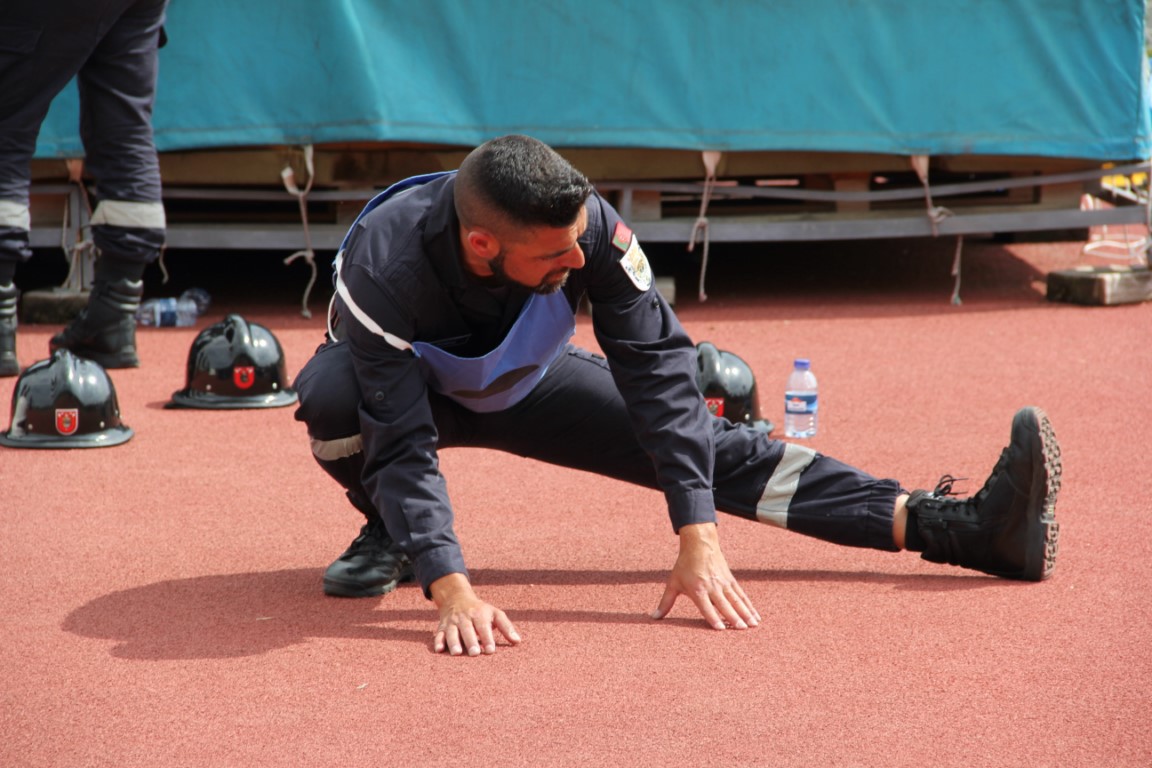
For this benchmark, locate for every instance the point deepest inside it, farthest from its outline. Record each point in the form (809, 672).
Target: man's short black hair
(521, 181)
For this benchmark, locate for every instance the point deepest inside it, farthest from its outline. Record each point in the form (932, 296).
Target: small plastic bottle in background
(200, 296)
(800, 401)
(174, 313)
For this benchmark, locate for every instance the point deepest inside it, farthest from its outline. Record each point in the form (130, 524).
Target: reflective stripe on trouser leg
(129, 231)
(129, 213)
(343, 460)
(781, 487)
(341, 448)
(15, 247)
(15, 214)
(825, 498)
(329, 398)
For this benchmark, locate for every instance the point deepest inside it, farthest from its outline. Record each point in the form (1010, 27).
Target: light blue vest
(503, 377)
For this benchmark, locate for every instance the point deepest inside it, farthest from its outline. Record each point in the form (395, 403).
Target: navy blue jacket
(402, 267)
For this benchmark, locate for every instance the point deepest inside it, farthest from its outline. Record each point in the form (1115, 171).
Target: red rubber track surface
(161, 601)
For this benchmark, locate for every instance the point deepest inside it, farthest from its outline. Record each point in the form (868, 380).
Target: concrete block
(1117, 284)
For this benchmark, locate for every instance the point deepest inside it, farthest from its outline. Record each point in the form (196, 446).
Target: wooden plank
(1107, 285)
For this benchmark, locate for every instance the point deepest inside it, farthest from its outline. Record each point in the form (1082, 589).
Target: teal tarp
(1059, 78)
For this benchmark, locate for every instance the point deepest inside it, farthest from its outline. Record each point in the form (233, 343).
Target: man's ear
(483, 243)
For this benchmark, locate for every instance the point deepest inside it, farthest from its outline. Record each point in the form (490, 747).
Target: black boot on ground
(1009, 527)
(9, 366)
(105, 330)
(371, 565)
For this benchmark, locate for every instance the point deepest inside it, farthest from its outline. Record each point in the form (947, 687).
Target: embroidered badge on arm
(634, 262)
(622, 236)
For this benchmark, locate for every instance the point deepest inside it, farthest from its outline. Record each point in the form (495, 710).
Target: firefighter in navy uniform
(451, 326)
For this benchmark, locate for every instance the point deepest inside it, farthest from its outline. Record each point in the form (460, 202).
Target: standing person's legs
(42, 46)
(117, 93)
(117, 90)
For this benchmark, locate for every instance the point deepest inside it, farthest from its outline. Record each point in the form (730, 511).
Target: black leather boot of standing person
(105, 330)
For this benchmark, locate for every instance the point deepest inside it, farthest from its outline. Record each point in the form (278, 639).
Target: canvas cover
(1063, 78)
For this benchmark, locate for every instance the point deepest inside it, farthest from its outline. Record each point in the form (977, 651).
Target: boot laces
(945, 500)
(944, 485)
(374, 540)
(373, 536)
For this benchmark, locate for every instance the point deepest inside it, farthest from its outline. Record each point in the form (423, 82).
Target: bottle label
(164, 313)
(798, 403)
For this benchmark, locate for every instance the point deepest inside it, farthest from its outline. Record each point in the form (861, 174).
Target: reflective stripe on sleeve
(773, 505)
(126, 213)
(360, 314)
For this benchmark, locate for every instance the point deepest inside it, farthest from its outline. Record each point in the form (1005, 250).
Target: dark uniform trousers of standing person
(111, 47)
(575, 416)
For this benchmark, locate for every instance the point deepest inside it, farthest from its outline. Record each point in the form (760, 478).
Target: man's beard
(551, 283)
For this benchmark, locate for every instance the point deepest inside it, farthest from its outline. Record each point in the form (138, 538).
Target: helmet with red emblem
(65, 402)
(235, 364)
(728, 386)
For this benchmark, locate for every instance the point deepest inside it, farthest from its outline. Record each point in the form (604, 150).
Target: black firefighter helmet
(235, 364)
(65, 402)
(729, 387)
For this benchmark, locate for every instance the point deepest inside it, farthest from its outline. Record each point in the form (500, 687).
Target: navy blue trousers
(110, 47)
(576, 418)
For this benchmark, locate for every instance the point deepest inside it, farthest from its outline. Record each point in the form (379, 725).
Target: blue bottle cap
(802, 363)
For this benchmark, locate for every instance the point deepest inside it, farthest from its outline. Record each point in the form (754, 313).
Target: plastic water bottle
(200, 296)
(179, 312)
(800, 401)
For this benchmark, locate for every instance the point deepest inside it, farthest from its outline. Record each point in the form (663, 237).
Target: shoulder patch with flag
(622, 236)
(634, 262)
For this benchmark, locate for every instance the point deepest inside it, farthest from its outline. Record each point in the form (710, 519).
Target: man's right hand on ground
(466, 621)
(701, 573)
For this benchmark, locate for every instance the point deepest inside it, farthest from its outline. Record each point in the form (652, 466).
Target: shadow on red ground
(162, 603)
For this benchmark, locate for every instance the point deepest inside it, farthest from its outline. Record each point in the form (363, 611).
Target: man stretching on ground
(455, 303)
